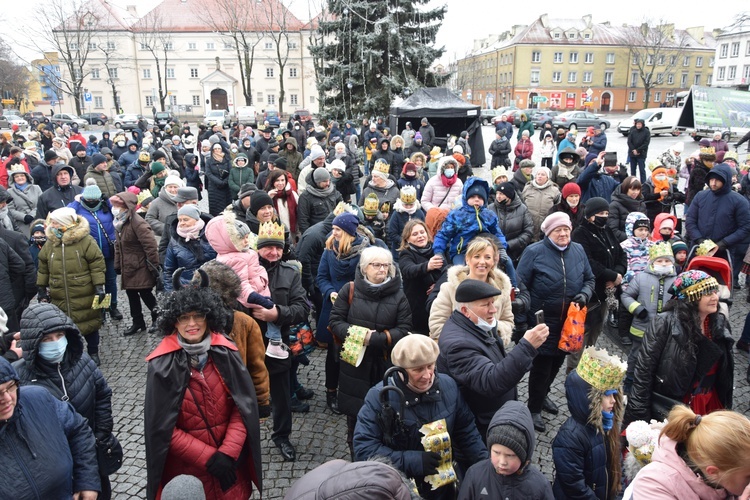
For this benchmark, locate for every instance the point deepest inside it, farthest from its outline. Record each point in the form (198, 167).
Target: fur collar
(73, 234)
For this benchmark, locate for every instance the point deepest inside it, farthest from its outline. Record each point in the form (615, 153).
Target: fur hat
(65, 216)
(555, 220)
(509, 436)
(415, 350)
(271, 234)
(348, 222)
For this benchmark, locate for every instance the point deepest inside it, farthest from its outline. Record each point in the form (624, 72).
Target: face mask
(296, 127)
(116, 211)
(484, 326)
(53, 351)
(57, 232)
(448, 172)
(667, 236)
(573, 205)
(600, 221)
(664, 270)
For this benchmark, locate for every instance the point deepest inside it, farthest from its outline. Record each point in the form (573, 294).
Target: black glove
(42, 295)
(640, 312)
(221, 466)
(118, 272)
(722, 245)
(581, 299)
(517, 306)
(258, 299)
(28, 219)
(430, 462)
(99, 290)
(264, 411)
(223, 174)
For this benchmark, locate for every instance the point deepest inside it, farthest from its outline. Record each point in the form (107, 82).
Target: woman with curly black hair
(201, 412)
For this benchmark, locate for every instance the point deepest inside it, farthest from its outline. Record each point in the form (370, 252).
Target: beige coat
(539, 200)
(445, 303)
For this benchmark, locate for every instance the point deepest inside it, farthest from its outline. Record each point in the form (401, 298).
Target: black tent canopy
(447, 113)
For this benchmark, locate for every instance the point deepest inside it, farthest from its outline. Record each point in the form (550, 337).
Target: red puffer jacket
(193, 445)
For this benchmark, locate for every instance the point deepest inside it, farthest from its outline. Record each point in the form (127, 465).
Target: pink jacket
(434, 192)
(668, 477)
(224, 238)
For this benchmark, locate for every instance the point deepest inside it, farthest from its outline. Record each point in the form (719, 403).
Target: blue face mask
(57, 232)
(53, 351)
(449, 172)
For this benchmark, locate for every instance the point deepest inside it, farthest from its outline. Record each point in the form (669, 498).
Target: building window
(193, 72)
(111, 46)
(94, 73)
(747, 48)
(168, 46)
(536, 56)
(649, 60)
(721, 72)
(210, 46)
(260, 97)
(573, 57)
(659, 78)
(571, 36)
(635, 59)
(556, 35)
(711, 62)
(113, 73)
(558, 57)
(608, 76)
(699, 62)
(746, 73)
(534, 76)
(73, 46)
(196, 100)
(170, 72)
(149, 101)
(683, 80)
(292, 45)
(644, 97)
(723, 50)
(587, 36)
(735, 49)
(697, 79)
(556, 76)
(146, 73)
(587, 76)
(610, 57)
(731, 72)
(293, 99)
(93, 46)
(657, 96)
(268, 45)
(670, 79)
(98, 102)
(192, 46)
(686, 61)
(269, 72)
(672, 60)
(173, 100)
(634, 79)
(292, 72)
(271, 98)
(631, 96)
(588, 57)
(660, 60)
(709, 79)
(572, 76)
(144, 46)
(228, 46)
(312, 99)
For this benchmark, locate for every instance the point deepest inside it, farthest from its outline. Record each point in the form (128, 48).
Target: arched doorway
(531, 102)
(219, 99)
(606, 101)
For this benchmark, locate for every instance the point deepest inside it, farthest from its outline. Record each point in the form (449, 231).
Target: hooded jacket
(561, 173)
(649, 290)
(134, 172)
(49, 449)
(57, 196)
(71, 267)
(499, 150)
(636, 249)
(527, 483)
(436, 193)
(129, 157)
(24, 202)
(579, 448)
(103, 180)
(135, 247)
(639, 139)
(314, 205)
(516, 223)
(159, 212)
(722, 215)
(186, 254)
(240, 175)
(219, 195)
(539, 200)
(619, 209)
(594, 182)
(605, 255)
(397, 222)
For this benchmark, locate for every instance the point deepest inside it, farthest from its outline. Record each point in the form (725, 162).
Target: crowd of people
(433, 289)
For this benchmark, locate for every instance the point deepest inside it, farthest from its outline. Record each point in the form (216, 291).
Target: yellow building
(575, 64)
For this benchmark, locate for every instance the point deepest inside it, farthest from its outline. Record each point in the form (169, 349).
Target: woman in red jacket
(201, 412)
(524, 149)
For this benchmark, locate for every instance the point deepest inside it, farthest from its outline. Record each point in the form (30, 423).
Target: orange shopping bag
(571, 337)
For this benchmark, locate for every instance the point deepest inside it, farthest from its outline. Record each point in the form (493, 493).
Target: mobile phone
(539, 317)
(610, 158)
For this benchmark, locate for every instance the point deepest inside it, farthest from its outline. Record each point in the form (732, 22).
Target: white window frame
(269, 72)
(291, 45)
(697, 79)
(93, 46)
(556, 76)
(169, 73)
(113, 73)
(670, 78)
(94, 73)
(146, 73)
(573, 57)
(260, 98)
(210, 46)
(196, 100)
(111, 45)
(267, 45)
(588, 76)
(634, 77)
(699, 61)
(193, 72)
(168, 46)
(609, 80)
(720, 73)
(572, 76)
(292, 72)
(143, 46)
(686, 61)
(149, 100)
(558, 57)
(98, 102)
(173, 100)
(271, 99)
(709, 80)
(73, 46)
(660, 60)
(588, 58)
(632, 96)
(610, 58)
(534, 78)
(536, 56)
(192, 46)
(723, 50)
(731, 72)
(294, 99)
(657, 96)
(683, 80)
(735, 50)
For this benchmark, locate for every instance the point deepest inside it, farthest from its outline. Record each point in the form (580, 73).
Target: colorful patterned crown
(705, 248)
(601, 370)
(692, 285)
(499, 172)
(408, 194)
(708, 150)
(661, 249)
(371, 205)
(382, 167)
(270, 232)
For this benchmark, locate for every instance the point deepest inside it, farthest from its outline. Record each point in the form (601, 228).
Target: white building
(201, 69)
(732, 67)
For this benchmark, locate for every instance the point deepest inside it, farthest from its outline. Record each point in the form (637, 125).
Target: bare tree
(655, 50)
(276, 18)
(14, 77)
(153, 36)
(234, 21)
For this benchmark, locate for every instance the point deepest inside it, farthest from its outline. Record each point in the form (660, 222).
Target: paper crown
(692, 285)
(435, 153)
(17, 169)
(498, 172)
(343, 207)
(382, 167)
(371, 205)
(601, 370)
(705, 248)
(708, 150)
(408, 194)
(386, 207)
(271, 232)
(658, 250)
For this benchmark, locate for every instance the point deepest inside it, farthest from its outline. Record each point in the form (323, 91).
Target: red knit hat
(570, 188)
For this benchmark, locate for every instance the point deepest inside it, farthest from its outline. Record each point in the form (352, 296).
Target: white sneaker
(276, 349)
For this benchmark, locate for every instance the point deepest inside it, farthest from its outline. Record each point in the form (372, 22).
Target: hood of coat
(657, 224)
(190, 160)
(61, 166)
(73, 234)
(41, 319)
(629, 203)
(496, 278)
(446, 162)
(585, 402)
(290, 140)
(516, 414)
(222, 235)
(630, 221)
(130, 200)
(722, 172)
(470, 182)
(376, 292)
(131, 142)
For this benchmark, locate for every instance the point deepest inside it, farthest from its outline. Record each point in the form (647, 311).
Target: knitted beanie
(191, 211)
(509, 436)
(258, 200)
(348, 222)
(91, 191)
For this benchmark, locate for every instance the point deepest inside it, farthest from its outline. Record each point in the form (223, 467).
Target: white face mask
(116, 211)
(483, 325)
(664, 270)
(121, 144)
(449, 172)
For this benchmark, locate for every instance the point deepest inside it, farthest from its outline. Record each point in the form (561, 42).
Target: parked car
(246, 115)
(271, 116)
(34, 115)
(7, 121)
(579, 119)
(126, 121)
(95, 118)
(540, 116)
(217, 116)
(61, 119)
(488, 115)
(506, 110)
(304, 115)
(163, 118)
(658, 120)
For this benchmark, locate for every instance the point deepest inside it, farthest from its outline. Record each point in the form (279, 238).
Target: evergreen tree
(373, 50)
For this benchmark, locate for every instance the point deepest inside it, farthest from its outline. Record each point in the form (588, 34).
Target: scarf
(540, 186)
(388, 184)
(158, 184)
(91, 208)
(198, 352)
(425, 252)
(119, 220)
(314, 190)
(448, 182)
(291, 205)
(22, 187)
(192, 233)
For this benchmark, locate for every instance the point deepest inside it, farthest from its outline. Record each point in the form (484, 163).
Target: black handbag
(109, 455)
(661, 405)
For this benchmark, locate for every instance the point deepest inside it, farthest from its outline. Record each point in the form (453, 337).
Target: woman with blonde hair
(698, 457)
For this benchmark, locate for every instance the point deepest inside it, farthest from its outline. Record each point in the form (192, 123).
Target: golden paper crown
(371, 205)
(271, 232)
(435, 153)
(499, 172)
(382, 167)
(705, 247)
(708, 150)
(408, 194)
(386, 207)
(601, 369)
(343, 207)
(661, 249)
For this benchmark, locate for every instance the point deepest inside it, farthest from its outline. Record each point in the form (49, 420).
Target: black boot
(115, 313)
(549, 406)
(539, 425)
(153, 327)
(136, 327)
(332, 400)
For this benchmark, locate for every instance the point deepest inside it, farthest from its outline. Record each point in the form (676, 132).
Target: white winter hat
(64, 216)
(173, 179)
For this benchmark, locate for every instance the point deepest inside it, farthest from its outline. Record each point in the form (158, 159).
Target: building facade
(733, 57)
(577, 64)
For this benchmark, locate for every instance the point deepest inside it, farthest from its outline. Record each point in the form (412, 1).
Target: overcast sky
(469, 19)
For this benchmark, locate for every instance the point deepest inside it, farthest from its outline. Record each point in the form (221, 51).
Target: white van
(246, 115)
(658, 120)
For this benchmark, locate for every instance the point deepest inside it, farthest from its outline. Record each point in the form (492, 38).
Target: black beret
(471, 290)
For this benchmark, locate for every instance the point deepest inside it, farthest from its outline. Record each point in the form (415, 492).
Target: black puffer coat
(619, 208)
(217, 176)
(674, 355)
(514, 220)
(381, 308)
(12, 278)
(76, 379)
(417, 280)
(310, 250)
(606, 256)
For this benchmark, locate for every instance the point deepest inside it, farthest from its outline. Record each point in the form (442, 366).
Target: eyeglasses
(185, 319)
(11, 390)
(378, 265)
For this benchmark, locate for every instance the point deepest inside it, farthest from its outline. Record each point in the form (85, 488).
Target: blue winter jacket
(102, 233)
(133, 173)
(722, 215)
(595, 183)
(48, 448)
(128, 157)
(190, 255)
(464, 223)
(506, 127)
(598, 144)
(553, 278)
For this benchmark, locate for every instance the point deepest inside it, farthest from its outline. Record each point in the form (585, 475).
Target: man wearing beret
(472, 353)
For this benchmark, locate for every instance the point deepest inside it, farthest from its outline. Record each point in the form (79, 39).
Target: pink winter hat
(555, 220)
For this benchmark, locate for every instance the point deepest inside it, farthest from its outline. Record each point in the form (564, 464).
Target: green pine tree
(372, 51)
